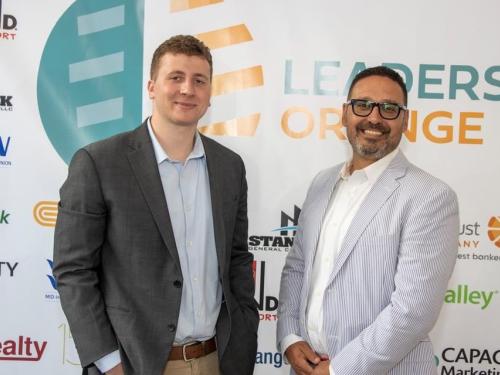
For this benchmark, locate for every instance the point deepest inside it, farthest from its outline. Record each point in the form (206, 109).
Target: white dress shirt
(350, 192)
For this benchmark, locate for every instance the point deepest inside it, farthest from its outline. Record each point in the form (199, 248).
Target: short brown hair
(180, 44)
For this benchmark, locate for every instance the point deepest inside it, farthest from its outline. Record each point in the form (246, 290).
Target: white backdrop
(72, 72)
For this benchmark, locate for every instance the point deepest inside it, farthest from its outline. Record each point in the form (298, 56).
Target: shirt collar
(373, 171)
(197, 152)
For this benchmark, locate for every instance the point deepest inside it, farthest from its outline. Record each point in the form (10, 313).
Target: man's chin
(371, 152)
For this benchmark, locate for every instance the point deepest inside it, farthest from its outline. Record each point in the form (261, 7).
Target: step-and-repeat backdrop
(72, 72)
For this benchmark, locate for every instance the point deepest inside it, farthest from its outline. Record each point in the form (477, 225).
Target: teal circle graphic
(90, 77)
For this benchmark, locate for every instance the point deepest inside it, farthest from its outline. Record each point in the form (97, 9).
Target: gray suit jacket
(389, 279)
(116, 261)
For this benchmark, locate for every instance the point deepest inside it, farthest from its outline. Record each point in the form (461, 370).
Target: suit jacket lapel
(213, 161)
(384, 187)
(145, 168)
(318, 206)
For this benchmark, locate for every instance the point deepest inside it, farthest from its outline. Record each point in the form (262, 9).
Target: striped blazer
(389, 279)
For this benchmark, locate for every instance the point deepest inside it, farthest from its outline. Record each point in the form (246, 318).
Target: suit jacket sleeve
(79, 235)
(241, 279)
(427, 255)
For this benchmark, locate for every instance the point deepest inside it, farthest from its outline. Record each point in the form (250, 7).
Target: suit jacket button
(171, 327)
(177, 283)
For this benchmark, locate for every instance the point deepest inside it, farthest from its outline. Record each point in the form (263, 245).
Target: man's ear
(344, 114)
(150, 88)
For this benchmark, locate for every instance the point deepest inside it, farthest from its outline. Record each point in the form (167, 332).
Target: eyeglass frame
(376, 104)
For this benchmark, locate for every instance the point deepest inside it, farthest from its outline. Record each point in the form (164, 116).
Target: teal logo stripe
(90, 77)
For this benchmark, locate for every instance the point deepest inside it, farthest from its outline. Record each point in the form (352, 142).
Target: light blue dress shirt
(187, 191)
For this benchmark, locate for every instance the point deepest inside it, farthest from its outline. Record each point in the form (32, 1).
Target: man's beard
(376, 150)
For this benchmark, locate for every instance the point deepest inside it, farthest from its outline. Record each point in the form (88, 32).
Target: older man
(375, 247)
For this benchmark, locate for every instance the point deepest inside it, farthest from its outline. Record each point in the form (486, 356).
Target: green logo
(463, 295)
(90, 78)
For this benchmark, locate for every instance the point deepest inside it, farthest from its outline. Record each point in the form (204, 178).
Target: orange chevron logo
(227, 83)
(45, 213)
(494, 230)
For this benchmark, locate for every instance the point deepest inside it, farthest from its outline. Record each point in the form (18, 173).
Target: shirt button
(195, 278)
(171, 327)
(189, 243)
(177, 283)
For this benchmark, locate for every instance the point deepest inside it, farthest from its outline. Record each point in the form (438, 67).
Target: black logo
(286, 220)
(6, 102)
(8, 24)
(7, 268)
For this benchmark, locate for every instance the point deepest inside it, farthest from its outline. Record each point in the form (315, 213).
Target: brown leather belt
(192, 350)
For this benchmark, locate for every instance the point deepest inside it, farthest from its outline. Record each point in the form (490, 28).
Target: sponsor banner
(5, 146)
(76, 71)
(6, 103)
(8, 268)
(480, 240)
(469, 361)
(21, 348)
(8, 22)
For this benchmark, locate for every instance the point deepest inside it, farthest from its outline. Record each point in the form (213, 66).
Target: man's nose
(187, 87)
(374, 117)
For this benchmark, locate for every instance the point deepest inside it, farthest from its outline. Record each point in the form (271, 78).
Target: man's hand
(323, 368)
(302, 358)
(117, 370)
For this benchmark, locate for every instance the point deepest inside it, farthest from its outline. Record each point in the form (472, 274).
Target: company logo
(4, 146)
(4, 217)
(228, 84)
(5, 143)
(22, 349)
(269, 358)
(281, 243)
(470, 242)
(286, 220)
(494, 230)
(7, 269)
(469, 359)
(266, 304)
(6, 102)
(465, 295)
(98, 80)
(440, 126)
(8, 25)
(52, 295)
(45, 213)
(51, 277)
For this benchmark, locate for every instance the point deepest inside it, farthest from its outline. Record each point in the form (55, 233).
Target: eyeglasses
(363, 108)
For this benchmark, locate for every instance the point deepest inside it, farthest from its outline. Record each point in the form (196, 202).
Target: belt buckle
(184, 351)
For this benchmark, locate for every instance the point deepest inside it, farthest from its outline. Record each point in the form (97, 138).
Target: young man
(150, 252)
(376, 245)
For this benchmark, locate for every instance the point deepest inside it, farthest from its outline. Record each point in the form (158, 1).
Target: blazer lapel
(213, 161)
(378, 195)
(145, 168)
(318, 206)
